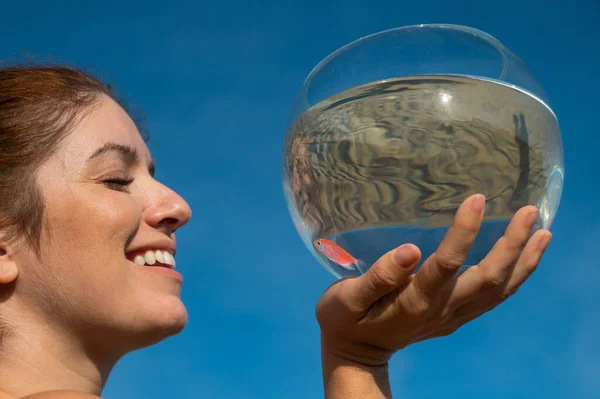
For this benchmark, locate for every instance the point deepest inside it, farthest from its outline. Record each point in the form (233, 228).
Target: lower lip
(163, 270)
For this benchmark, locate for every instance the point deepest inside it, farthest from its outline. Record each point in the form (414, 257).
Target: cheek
(86, 237)
(104, 221)
(83, 250)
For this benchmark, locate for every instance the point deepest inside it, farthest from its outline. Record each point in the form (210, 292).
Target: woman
(87, 250)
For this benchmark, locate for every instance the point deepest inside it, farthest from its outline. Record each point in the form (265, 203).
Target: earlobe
(8, 268)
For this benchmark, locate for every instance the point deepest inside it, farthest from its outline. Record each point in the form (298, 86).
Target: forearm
(344, 379)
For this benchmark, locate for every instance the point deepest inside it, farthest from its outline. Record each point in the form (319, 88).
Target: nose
(167, 211)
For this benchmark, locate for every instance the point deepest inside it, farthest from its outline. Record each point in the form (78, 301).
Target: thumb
(387, 274)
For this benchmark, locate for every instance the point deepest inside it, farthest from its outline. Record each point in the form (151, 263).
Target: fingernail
(545, 241)
(478, 204)
(405, 256)
(531, 218)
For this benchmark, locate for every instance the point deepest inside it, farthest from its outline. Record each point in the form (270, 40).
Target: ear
(8, 267)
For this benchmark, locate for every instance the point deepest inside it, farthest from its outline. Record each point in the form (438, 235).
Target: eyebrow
(129, 153)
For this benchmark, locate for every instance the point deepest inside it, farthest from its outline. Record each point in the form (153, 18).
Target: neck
(42, 359)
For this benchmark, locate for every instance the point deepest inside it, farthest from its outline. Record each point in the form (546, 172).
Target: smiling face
(105, 213)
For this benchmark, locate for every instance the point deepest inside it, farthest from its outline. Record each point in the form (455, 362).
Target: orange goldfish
(339, 255)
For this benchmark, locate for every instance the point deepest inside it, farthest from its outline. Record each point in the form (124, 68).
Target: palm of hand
(368, 318)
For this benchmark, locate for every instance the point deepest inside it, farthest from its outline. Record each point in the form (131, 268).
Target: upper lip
(164, 245)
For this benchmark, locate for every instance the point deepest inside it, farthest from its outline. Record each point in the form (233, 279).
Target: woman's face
(103, 208)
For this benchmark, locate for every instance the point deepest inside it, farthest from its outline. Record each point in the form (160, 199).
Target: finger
(524, 268)
(527, 263)
(494, 270)
(389, 273)
(443, 264)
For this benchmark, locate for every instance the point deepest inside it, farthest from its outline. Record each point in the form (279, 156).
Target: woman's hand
(365, 320)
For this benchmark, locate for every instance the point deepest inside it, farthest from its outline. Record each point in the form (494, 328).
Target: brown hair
(39, 106)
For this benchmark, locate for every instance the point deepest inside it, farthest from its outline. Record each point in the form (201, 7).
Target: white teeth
(169, 260)
(150, 259)
(159, 256)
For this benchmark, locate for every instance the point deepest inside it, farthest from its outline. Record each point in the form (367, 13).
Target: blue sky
(214, 82)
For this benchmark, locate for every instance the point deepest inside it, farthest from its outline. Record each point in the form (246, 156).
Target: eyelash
(117, 183)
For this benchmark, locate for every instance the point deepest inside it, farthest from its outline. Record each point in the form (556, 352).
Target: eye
(118, 183)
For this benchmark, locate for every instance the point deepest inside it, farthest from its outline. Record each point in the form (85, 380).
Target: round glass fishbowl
(392, 132)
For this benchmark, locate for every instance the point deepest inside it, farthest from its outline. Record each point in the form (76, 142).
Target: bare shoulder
(61, 395)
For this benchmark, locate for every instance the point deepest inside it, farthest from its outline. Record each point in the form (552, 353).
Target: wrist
(349, 379)
(359, 355)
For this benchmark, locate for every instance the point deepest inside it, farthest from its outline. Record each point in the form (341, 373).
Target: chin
(167, 318)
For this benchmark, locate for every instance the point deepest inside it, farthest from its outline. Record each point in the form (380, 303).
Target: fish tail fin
(361, 266)
(347, 266)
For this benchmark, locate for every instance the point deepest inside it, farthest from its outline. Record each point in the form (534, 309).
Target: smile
(155, 257)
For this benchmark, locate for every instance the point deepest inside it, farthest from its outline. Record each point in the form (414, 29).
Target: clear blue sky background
(214, 81)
